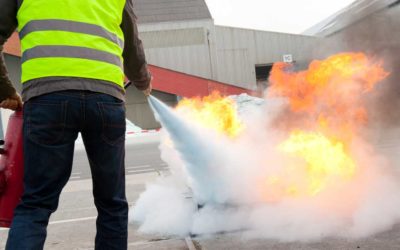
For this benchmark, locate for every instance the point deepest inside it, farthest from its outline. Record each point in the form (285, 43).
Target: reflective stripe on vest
(71, 26)
(71, 52)
(72, 38)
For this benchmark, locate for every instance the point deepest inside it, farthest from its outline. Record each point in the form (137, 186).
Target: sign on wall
(288, 58)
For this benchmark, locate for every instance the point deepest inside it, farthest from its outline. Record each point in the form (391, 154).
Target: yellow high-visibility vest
(72, 38)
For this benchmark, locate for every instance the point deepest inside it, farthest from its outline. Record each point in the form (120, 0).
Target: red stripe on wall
(13, 46)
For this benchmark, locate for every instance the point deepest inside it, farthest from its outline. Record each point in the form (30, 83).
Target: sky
(288, 16)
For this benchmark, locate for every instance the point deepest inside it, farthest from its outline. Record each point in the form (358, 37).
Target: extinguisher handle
(127, 84)
(2, 150)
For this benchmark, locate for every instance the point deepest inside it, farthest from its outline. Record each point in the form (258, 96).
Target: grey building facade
(371, 27)
(181, 36)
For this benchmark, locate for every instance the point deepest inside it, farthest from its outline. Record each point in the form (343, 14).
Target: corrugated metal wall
(158, 11)
(184, 50)
(239, 50)
(180, 46)
(219, 53)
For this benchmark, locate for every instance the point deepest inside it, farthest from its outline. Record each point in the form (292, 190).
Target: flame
(330, 91)
(329, 96)
(331, 81)
(213, 112)
(324, 159)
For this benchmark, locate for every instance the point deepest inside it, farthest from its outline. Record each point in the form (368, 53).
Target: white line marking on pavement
(140, 166)
(63, 221)
(72, 220)
(74, 177)
(189, 243)
(76, 173)
(141, 243)
(86, 208)
(141, 171)
(77, 209)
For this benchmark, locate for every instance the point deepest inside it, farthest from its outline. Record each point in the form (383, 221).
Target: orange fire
(329, 96)
(330, 91)
(324, 159)
(328, 100)
(213, 112)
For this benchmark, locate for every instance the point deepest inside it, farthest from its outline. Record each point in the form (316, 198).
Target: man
(74, 56)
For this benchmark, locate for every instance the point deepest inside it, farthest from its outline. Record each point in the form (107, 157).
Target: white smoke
(223, 177)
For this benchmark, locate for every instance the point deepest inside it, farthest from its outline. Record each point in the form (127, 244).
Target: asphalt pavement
(142, 156)
(73, 225)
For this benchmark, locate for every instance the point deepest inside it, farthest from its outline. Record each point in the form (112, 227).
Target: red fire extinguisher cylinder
(11, 169)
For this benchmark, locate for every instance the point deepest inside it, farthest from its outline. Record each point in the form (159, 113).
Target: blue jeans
(51, 125)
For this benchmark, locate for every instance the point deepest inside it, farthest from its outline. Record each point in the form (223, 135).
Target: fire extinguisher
(11, 169)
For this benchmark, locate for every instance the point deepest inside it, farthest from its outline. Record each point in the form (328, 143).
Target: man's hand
(14, 102)
(147, 91)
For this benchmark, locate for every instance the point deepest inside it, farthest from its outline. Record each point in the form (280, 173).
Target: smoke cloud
(217, 184)
(376, 35)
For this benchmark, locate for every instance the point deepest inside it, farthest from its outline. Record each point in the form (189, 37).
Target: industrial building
(371, 27)
(190, 55)
(368, 26)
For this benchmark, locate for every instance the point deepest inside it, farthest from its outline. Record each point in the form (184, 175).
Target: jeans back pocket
(46, 121)
(114, 123)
